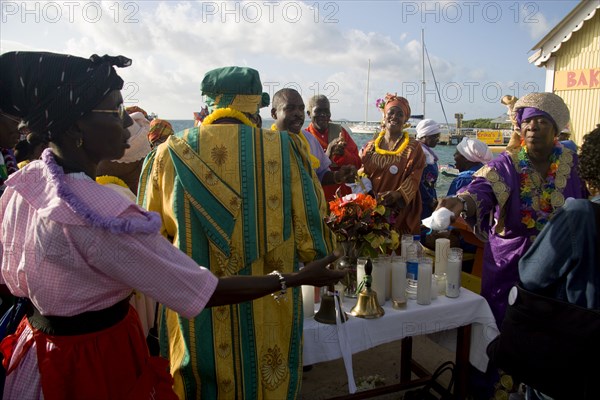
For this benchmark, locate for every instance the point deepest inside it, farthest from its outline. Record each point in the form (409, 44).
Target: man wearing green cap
(240, 201)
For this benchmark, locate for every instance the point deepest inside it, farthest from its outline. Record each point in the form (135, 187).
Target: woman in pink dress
(76, 249)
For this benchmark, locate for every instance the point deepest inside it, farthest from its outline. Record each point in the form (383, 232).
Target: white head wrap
(427, 127)
(140, 147)
(474, 150)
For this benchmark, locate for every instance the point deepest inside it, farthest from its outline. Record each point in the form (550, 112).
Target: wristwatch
(463, 213)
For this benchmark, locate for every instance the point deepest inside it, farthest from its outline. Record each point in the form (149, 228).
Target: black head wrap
(51, 91)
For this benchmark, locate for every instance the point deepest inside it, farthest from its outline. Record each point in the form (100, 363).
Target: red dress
(111, 364)
(350, 156)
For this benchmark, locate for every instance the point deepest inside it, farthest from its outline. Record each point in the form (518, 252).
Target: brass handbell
(327, 312)
(367, 305)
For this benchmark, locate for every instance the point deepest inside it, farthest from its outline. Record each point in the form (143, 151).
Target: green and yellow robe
(239, 201)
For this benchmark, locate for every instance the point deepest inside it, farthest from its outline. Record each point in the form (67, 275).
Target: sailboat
(366, 127)
(372, 127)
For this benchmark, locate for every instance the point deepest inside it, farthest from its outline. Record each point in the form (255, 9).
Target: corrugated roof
(562, 32)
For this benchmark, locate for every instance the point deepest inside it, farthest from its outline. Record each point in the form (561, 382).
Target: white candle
(441, 255)
(434, 288)
(387, 263)
(453, 272)
(308, 300)
(379, 282)
(407, 240)
(399, 280)
(424, 282)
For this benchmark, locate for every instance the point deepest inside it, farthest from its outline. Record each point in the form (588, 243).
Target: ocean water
(444, 153)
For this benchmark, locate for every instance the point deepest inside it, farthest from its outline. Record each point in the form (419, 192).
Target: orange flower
(360, 219)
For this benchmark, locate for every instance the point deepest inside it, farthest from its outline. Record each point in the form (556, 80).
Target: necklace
(227, 112)
(536, 193)
(399, 150)
(106, 179)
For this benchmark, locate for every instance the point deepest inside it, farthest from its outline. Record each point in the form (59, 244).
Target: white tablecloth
(443, 314)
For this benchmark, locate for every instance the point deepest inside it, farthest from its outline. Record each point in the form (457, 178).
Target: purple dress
(502, 210)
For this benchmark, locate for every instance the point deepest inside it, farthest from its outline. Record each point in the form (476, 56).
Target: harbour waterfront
(445, 153)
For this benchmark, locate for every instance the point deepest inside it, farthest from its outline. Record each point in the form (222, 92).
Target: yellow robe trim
(314, 161)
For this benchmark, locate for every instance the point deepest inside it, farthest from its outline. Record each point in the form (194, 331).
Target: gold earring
(80, 142)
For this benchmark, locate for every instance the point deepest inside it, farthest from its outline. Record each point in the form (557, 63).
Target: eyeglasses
(119, 111)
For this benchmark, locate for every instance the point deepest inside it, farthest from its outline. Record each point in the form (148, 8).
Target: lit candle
(441, 255)
(308, 300)
(453, 272)
(441, 283)
(398, 281)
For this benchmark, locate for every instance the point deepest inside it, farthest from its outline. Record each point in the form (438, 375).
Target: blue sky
(478, 49)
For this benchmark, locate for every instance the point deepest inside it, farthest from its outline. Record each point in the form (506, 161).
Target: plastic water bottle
(414, 253)
(418, 246)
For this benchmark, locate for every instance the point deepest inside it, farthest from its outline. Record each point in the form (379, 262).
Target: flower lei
(227, 112)
(106, 179)
(399, 150)
(530, 217)
(314, 161)
(150, 223)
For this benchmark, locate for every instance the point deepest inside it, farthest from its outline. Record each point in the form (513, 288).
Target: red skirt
(111, 364)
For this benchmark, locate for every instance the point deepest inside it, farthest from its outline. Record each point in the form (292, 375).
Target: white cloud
(173, 44)
(535, 23)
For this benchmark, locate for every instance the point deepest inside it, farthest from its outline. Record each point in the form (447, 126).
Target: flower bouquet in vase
(363, 228)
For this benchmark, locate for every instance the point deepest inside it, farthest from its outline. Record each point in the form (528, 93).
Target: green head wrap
(238, 88)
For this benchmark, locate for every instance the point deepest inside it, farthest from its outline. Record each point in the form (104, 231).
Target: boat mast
(423, 70)
(367, 99)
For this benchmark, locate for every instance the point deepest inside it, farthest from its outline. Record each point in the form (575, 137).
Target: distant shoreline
(444, 152)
